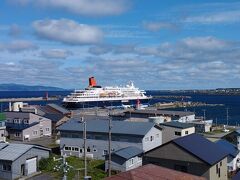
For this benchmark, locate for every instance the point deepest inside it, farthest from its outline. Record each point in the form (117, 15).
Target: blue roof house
(143, 135)
(125, 159)
(233, 159)
(193, 154)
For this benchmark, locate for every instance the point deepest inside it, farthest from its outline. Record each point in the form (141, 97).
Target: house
(2, 131)
(202, 126)
(153, 172)
(2, 127)
(125, 159)
(57, 114)
(172, 130)
(19, 160)
(182, 116)
(26, 126)
(145, 136)
(193, 154)
(232, 136)
(233, 159)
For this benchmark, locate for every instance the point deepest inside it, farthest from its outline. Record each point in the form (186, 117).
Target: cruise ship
(97, 96)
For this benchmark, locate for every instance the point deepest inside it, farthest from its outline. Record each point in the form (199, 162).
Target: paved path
(42, 177)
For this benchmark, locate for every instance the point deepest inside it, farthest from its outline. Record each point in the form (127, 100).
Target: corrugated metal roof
(128, 152)
(59, 108)
(161, 112)
(179, 125)
(151, 171)
(229, 147)
(202, 148)
(102, 126)
(12, 151)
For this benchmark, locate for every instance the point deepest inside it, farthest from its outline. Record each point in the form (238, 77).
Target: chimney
(92, 82)
(238, 142)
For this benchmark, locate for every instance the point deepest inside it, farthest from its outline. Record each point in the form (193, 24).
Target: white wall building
(125, 159)
(143, 135)
(172, 130)
(233, 159)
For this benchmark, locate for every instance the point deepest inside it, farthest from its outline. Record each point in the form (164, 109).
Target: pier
(2, 100)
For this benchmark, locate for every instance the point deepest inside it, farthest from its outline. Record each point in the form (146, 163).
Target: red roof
(153, 172)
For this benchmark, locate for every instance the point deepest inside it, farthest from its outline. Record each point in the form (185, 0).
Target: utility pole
(204, 114)
(64, 166)
(227, 115)
(84, 144)
(109, 146)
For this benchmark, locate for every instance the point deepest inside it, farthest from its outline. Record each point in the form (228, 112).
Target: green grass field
(95, 168)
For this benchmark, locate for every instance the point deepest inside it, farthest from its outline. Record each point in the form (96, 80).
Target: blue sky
(187, 44)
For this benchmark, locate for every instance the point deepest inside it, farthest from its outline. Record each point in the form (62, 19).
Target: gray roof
(59, 108)
(102, 126)
(162, 112)
(178, 125)
(11, 151)
(128, 152)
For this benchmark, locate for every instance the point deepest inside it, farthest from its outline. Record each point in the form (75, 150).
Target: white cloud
(18, 46)
(157, 26)
(56, 53)
(115, 49)
(67, 31)
(205, 43)
(82, 7)
(214, 18)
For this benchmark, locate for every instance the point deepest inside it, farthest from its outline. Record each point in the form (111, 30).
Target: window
(88, 149)
(66, 148)
(16, 120)
(17, 134)
(131, 161)
(146, 139)
(7, 167)
(105, 152)
(2, 135)
(47, 129)
(81, 150)
(25, 121)
(219, 172)
(94, 150)
(186, 132)
(217, 169)
(178, 133)
(157, 135)
(151, 138)
(221, 163)
(35, 133)
(75, 149)
(139, 158)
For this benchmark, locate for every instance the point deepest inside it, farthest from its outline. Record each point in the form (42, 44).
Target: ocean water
(216, 113)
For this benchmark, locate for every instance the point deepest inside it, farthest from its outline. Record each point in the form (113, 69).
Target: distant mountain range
(21, 87)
